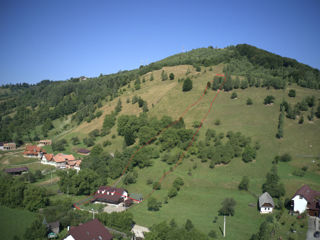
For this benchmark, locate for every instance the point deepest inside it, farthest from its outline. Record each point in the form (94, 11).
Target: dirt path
(49, 181)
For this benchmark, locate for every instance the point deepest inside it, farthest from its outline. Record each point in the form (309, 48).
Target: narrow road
(313, 226)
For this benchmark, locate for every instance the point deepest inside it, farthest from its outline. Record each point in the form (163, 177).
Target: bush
(285, 157)
(244, 184)
(299, 173)
(172, 192)
(269, 99)
(249, 101)
(292, 93)
(187, 85)
(217, 122)
(156, 186)
(171, 76)
(234, 95)
(106, 143)
(153, 204)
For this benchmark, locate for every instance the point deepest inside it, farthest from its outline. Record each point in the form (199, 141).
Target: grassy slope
(14, 222)
(203, 192)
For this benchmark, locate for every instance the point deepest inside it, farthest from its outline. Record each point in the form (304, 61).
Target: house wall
(299, 204)
(266, 210)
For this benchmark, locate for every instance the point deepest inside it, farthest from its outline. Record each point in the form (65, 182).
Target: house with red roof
(33, 151)
(61, 161)
(110, 195)
(306, 199)
(89, 231)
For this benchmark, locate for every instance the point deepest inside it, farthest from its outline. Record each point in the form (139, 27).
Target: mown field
(14, 222)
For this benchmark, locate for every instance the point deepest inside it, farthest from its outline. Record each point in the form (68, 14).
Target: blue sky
(57, 39)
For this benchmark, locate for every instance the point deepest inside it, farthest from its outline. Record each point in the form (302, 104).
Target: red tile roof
(33, 150)
(90, 230)
(60, 157)
(49, 156)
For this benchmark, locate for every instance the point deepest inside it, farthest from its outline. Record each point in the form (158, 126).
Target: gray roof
(265, 198)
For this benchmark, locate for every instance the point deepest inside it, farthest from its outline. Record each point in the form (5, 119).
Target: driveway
(313, 225)
(114, 208)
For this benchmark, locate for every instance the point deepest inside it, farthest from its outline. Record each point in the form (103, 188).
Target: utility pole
(224, 226)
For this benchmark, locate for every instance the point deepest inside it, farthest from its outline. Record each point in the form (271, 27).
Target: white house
(48, 159)
(266, 203)
(306, 199)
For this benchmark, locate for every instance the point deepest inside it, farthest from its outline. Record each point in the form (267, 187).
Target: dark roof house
(16, 171)
(312, 197)
(83, 151)
(89, 231)
(110, 195)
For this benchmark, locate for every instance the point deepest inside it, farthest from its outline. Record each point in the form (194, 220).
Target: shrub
(285, 157)
(249, 101)
(172, 192)
(106, 143)
(292, 93)
(153, 204)
(217, 122)
(244, 184)
(234, 95)
(269, 99)
(156, 186)
(299, 173)
(187, 85)
(171, 76)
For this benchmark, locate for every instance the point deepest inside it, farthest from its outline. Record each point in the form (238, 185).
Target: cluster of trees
(85, 182)
(215, 150)
(280, 124)
(121, 221)
(272, 184)
(177, 184)
(141, 103)
(17, 193)
(304, 105)
(172, 231)
(133, 127)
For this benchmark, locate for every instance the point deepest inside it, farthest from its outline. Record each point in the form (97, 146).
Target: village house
(45, 142)
(83, 151)
(9, 146)
(61, 161)
(306, 199)
(33, 151)
(110, 195)
(89, 231)
(266, 203)
(16, 171)
(48, 159)
(138, 232)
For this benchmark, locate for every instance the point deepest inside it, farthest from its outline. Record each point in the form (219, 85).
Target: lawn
(14, 222)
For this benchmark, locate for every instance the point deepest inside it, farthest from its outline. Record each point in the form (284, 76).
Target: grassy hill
(201, 196)
(205, 188)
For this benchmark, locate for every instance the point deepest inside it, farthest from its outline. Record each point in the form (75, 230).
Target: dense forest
(24, 107)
